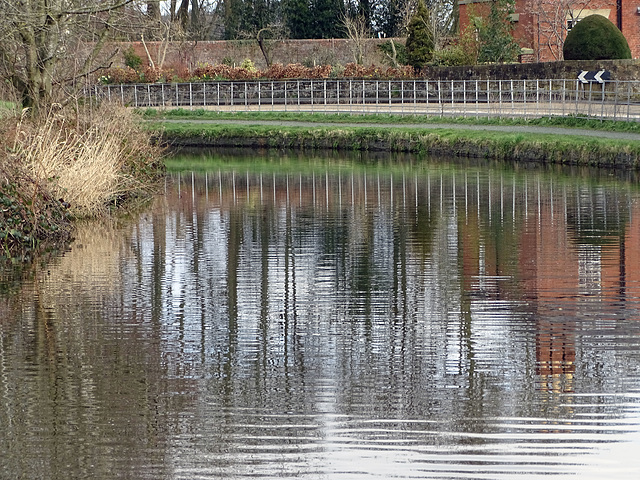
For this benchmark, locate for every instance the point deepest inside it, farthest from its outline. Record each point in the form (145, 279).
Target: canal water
(331, 320)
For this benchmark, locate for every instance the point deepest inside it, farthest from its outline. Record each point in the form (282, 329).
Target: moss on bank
(541, 148)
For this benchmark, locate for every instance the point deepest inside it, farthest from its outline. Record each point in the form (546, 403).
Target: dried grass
(92, 162)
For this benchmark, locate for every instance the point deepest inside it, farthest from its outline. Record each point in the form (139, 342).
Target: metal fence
(617, 100)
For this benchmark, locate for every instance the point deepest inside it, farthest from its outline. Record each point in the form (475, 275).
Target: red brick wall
(536, 25)
(320, 52)
(631, 26)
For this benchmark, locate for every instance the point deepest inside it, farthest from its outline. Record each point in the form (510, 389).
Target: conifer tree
(497, 44)
(420, 42)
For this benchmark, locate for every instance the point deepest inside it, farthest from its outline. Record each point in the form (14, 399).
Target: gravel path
(429, 126)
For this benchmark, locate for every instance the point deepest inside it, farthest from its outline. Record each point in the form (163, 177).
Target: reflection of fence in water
(482, 98)
(593, 213)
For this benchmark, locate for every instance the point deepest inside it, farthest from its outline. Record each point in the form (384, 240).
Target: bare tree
(358, 32)
(553, 20)
(442, 18)
(266, 37)
(46, 45)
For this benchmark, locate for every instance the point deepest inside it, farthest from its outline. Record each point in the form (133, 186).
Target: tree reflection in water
(339, 322)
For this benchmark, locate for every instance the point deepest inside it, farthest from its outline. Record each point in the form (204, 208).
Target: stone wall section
(619, 70)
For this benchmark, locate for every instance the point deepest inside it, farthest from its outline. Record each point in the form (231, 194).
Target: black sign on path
(600, 76)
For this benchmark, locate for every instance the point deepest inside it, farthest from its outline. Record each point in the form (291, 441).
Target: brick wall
(537, 26)
(310, 52)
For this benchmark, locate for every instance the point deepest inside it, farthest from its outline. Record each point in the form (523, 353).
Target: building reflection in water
(561, 245)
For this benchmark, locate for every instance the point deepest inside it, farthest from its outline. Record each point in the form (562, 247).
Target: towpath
(523, 129)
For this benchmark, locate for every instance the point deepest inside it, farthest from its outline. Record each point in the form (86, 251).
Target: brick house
(542, 25)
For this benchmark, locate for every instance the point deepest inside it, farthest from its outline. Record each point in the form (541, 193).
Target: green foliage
(298, 18)
(495, 34)
(247, 71)
(131, 59)
(595, 38)
(248, 65)
(29, 215)
(401, 52)
(420, 42)
(326, 19)
(453, 55)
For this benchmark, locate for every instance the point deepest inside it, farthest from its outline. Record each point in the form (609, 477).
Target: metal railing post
(602, 104)
(464, 98)
(325, 94)
(477, 100)
(453, 108)
(524, 98)
(615, 100)
(488, 98)
(628, 100)
(512, 105)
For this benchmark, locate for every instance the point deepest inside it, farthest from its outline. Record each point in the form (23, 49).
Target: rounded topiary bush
(595, 38)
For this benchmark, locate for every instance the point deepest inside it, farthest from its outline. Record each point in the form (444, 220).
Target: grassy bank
(61, 166)
(344, 118)
(521, 147)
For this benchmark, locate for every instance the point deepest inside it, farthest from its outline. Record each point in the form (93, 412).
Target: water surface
(429, 320)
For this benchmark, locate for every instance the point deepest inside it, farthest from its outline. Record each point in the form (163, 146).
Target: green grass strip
(563, 122)
(541, 148)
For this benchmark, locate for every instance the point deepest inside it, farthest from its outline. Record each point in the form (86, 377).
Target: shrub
(247, 64)
(400, 52)
(420, 44)
(495, 40)
(120, 75)
(452, 56)
(595, 38)
(220, 72)
(131, 59)
(277, 71)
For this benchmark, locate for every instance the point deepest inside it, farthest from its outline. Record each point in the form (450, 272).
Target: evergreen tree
(297, 18)
(326, 18)
(595, 38)
(495, 34)
(419, 46)
(387, 18)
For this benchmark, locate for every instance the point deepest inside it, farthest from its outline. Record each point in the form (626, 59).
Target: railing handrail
(618, 100)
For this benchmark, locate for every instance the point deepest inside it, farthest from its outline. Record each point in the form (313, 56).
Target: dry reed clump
(93, 162)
